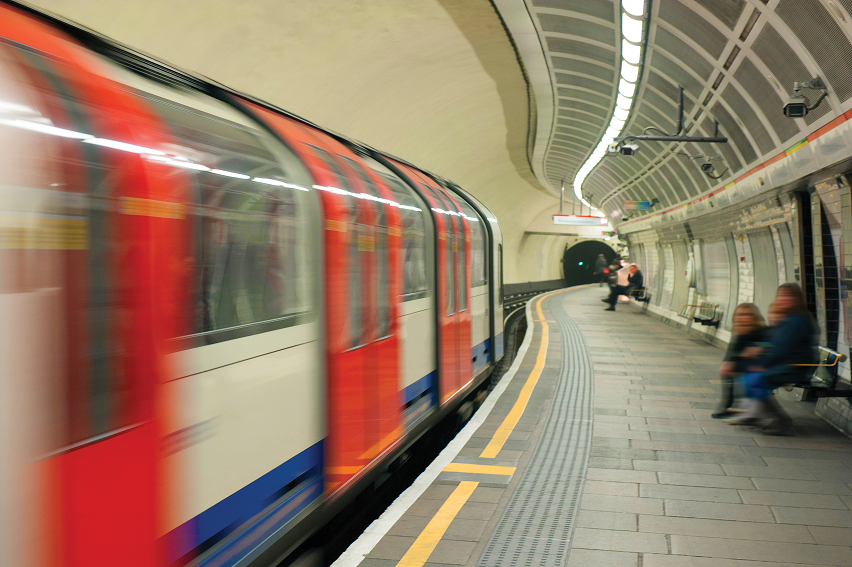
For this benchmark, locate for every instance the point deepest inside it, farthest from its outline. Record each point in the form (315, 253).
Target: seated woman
(749, 330)
(789, 345)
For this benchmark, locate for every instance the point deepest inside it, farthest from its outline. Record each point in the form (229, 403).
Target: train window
(252, 239)
(477, 244)
(359, 250)
(415, 283)
(382, 271)
(450, 247)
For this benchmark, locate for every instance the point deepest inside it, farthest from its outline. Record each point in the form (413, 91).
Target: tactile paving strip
(535, 528)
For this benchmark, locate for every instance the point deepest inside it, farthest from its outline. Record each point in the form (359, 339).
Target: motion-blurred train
(218, 322)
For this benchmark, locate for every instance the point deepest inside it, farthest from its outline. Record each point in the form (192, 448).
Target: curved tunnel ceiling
(737, 61)
(572, 63)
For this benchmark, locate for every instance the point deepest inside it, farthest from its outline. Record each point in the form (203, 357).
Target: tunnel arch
(579, 261)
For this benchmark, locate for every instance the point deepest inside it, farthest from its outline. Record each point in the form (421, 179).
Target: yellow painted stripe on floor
(479, 469)
(508, 425)
(424, 545)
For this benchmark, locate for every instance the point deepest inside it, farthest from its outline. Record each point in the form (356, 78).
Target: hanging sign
(637, 205)
(579, 220)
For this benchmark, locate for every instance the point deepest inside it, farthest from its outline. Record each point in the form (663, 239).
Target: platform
(597, 449)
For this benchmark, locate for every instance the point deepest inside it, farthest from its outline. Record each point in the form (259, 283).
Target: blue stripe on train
(214, 524)
(498, 347)
(416, 389)
(481, 356)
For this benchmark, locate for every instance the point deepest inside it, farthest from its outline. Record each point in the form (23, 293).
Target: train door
(463, 318)
(361, 245)
(416, 308)
(93, 223)
(445, 280)
(383, 361)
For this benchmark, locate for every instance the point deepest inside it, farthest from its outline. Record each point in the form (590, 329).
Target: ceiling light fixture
(632, 31)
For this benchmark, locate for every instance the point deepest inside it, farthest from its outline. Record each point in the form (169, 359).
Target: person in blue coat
(789, 345)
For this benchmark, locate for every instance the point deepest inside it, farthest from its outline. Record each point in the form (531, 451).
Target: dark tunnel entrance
(579, 261)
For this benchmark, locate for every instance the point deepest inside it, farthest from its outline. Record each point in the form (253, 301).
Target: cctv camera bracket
(677, 137)
(816, 84)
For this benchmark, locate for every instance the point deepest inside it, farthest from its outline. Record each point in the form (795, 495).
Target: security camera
(707, 167)
(798, 104)
(624, 218)
(796, 107)
(629, 149)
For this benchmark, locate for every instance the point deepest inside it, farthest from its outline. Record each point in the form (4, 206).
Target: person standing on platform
(634, 280)
(749, 330)
(601, 269)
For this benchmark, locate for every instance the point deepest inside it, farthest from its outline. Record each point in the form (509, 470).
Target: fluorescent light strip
(277, 183)
(367, 196)
(186, 164)
(123, 146)
(230, 174)
(632, 28)
(45, 129)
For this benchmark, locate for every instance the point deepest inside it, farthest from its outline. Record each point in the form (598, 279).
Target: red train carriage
(218, 321)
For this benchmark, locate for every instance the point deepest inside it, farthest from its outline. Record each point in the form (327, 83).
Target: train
(219, 322)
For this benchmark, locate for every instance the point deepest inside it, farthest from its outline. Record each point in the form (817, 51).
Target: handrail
(837, 359)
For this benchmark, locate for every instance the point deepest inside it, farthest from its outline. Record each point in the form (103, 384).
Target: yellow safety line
(508, 425)
(479, 469)
(424, 545)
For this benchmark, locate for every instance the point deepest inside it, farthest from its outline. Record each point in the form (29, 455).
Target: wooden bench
(823, 380)
(704, 313)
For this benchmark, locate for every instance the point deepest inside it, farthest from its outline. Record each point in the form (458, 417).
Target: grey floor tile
(776, 551)
(466, 530)
(425, 507)
(613, 475)
(611, 488)
(678, 467)
(597, 558)
(705, 480)
(719, 511)
(758, 531)
(477, 510)
(631, 454)
(611, 442)
(617, 540)
(831, 536)
(687, 437)
(813, 516)
(705, 448)
(606, 520)
(696, 493)
(798, 500)
(653, 560)
(611, 463)
(715, 458)
(792, 473)
(409, 525)
(621, 504)
(486, 494)
(373, 562)
(391, 547)
(812, 487)
(452, 552)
